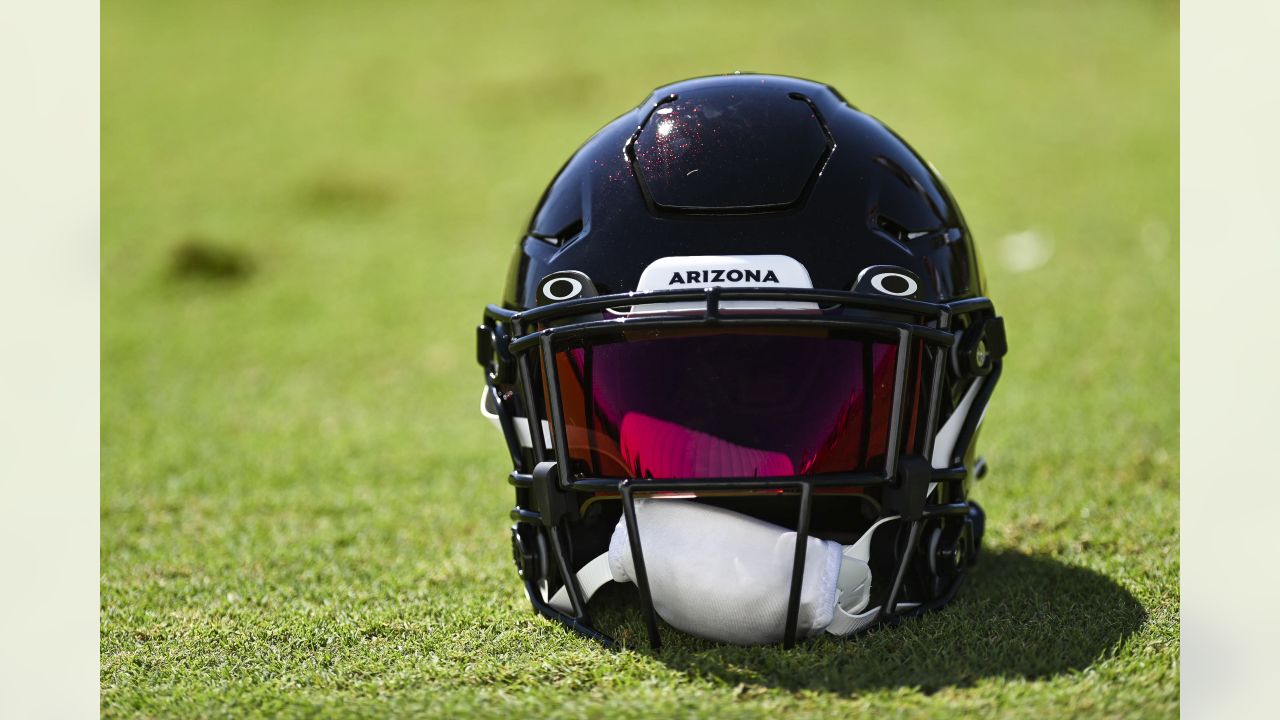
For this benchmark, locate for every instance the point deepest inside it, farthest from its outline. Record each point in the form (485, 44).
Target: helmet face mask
(798, 336)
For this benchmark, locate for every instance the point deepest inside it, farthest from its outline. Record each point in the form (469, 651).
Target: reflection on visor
(716, 404)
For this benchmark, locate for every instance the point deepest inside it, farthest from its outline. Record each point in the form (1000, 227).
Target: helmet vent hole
(563, 235)
(893, 227)
(570, 231)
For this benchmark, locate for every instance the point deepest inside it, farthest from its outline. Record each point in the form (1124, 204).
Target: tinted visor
(700, 404)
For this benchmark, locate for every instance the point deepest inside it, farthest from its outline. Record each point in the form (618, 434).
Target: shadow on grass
(1018, 616)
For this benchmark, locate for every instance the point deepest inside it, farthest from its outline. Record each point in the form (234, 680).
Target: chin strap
(591, 577)
(853, 587)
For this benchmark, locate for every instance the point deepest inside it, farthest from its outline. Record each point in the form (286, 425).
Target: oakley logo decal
(565, 285)
(562, 288)
(896, 284)
(887, 280)
(689, 277)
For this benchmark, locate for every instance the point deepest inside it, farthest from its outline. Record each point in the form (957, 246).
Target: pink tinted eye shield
(727, 404)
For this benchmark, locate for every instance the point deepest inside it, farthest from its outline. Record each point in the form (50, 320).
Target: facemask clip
(552, 503)
(906, 497)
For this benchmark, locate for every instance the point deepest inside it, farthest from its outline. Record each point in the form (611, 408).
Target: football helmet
(749, 317)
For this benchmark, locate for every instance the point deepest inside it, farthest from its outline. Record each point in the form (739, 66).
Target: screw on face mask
(529, 549)
(979, 347)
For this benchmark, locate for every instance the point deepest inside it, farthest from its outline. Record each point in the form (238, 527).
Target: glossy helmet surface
(644, 227)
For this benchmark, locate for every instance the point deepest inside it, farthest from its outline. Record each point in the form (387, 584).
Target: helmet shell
(746, 165)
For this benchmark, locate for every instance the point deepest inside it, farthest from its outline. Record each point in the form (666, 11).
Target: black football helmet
(748, 292)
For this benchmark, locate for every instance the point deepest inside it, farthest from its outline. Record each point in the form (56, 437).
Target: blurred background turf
(305, 206)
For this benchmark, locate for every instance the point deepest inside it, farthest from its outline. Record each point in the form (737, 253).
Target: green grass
(305, 206)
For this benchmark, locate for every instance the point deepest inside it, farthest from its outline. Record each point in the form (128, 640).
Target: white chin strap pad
(725, 576)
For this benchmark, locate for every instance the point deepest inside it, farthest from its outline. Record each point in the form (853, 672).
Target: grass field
(306, 205)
